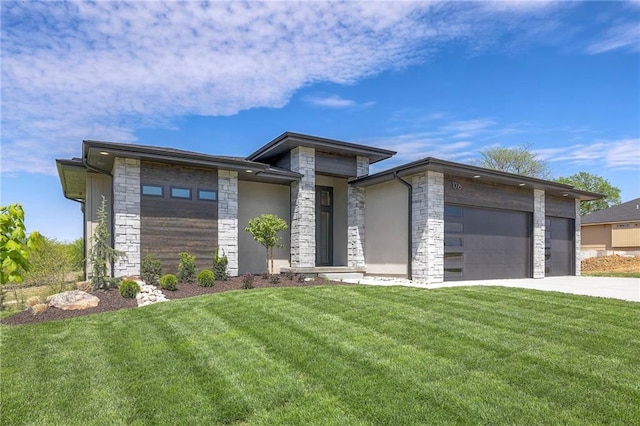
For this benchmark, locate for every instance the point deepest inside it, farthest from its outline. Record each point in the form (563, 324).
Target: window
(453, 256)
(453, 211)
(153, 190)
(452, 242)
(453, 227)
(453, 273)
(180, 192)
(207, 195)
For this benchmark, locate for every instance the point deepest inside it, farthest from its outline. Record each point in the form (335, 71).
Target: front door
(324, 226)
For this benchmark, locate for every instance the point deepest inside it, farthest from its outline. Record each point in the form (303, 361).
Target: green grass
(332, 355)
(613, 274)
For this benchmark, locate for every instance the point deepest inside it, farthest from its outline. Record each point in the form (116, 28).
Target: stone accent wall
(228, 218)
(538, 233)
(356, 219)
(578, 240)
(126, 212)
(303, 208)
(428, 227)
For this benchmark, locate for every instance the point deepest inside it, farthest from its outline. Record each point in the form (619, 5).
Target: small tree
(186, 268)
(264, 229)
(102, 254)
(220, 265)
(594, 183)
(519, 160)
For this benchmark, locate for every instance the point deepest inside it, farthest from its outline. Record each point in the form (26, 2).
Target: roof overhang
(73, 178)
(288, 141)
(473, 172)
(100, 155)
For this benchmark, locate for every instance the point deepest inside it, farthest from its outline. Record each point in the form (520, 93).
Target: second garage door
(486, 244)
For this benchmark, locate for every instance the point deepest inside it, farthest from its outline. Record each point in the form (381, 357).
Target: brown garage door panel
(495, 244)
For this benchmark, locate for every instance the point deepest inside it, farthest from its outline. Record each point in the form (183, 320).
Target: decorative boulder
(73, 300)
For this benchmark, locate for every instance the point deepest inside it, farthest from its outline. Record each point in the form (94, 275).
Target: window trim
(177, 197)
(151, 185)
(200, 190)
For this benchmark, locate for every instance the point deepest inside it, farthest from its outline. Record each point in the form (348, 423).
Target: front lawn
(332, 355)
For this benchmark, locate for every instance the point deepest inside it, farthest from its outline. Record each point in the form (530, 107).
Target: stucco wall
(255, 198)
(339, 186)
(386, 224)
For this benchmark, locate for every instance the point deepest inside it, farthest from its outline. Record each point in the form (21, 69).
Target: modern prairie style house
(430, 220)
(615, 230)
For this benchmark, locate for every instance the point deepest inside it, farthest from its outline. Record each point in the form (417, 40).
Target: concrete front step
(340, 276)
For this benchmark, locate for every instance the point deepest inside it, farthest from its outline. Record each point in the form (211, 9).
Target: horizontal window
(181, 193)
(453, 256)
(453, 273)
(153, 190)
(207, 195)
(452, 242)
(453, 211)
(453, 227)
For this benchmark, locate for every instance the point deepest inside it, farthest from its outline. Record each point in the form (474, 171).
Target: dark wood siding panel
(560, 206)
(335, 165)
(168, 225)
(473, 192)
(284, 162)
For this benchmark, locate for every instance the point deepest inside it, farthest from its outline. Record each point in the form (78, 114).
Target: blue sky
(425, 79)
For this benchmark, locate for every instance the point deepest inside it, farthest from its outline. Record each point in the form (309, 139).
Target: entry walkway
(615, 288)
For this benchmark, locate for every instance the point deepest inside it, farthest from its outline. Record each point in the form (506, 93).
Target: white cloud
(102, 70)
(614, 154)
(622, 36)
(333, 101)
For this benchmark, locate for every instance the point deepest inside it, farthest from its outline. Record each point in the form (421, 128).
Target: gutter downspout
(85, 162)
(409, 223)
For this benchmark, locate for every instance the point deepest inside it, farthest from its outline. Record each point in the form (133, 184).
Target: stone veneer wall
(427, 261)
(303, 208)
(228, 218)
(126, 212)
(356, 237)
(578, 241)
(539, 216)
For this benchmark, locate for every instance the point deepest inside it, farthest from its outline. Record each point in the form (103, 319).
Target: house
(429, 220)
(615, 230)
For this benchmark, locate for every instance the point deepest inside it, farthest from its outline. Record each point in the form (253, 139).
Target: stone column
(228, 218)
(578, 240)
(356, 236)
(539, 229)
(427, 260)
(126, 212)
(303, 208)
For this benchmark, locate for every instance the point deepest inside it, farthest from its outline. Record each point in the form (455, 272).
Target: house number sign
(456, 185)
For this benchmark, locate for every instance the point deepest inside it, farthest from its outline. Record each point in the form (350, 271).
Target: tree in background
(76, 250)
(593, 183)
(519, 160)
(51, 263)
(264, 229)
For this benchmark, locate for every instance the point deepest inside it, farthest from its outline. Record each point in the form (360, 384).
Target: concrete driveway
(615, 288)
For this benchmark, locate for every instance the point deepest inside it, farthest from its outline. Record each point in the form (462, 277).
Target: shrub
(275, 279)
(206, 278)
(220, 266)
(169, 282)
(186, 268)
(38, 308)
(289, 275)
(247, 281)
(33, 300)
(150, 269)
(265, 276)
(129, 289)
(301, 278)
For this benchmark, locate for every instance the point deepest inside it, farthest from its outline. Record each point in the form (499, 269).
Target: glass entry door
(324, 226)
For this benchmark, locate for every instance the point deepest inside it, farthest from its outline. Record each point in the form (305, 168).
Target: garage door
(486, 244)
(558, 246)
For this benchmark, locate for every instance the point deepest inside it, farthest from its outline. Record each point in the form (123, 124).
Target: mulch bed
(110, 300)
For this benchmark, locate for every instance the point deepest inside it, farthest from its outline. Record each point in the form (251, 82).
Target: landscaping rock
(149, 294)
(73, 300)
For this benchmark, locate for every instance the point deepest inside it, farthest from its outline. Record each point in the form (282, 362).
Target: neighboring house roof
(288, 140)
(464, 170)
(619, 213)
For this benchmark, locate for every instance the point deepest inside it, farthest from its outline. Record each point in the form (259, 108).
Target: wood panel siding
(472, 192)
(335, 164)
(625, 235)
(560, 206)
(283, 162)
(168, 225)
